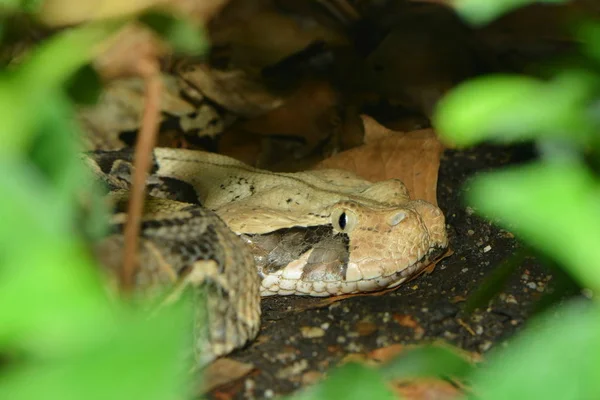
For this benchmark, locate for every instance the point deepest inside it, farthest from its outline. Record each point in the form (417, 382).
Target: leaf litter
(225, 103)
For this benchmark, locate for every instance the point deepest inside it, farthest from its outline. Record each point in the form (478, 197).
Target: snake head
(361, 249)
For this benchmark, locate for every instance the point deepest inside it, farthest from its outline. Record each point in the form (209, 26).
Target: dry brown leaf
(223, 371)
(412, 157)
(121, 106)
(409, 322)
(426, 389)
(259, 35)
(127, 52)
(69, 12)
(309, 113)
(233, 90)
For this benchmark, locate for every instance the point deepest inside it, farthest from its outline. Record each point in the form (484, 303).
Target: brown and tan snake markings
(241, 233)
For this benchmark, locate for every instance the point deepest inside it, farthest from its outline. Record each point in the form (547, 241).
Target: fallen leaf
(259, 34)
(407, 321)
(385, 354)
(234, 90)
(309, 113)
(365, 328)
(426, 389)
(223, 371)
(412, 157)
(121, 106)
(69, 12)
(126, 52)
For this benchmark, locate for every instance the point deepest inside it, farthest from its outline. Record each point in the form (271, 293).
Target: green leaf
(506, 108)
(85, 86)
(557, 357)
(553, 206)
(45, 274)
(350, 382)
(28, 89)
(427, 361)
(142, 359)
(478, 12)
(181, 33)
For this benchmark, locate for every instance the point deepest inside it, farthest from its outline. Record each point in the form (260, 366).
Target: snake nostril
(396, 218)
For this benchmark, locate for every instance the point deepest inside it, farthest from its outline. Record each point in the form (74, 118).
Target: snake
(241, 233)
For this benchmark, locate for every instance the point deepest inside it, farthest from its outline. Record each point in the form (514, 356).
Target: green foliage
(180, 33)
(61, 335)
(552, 204)
(351, 382)
(556, 357)
(479, 12)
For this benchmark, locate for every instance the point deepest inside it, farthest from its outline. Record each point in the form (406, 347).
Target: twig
(150, 71)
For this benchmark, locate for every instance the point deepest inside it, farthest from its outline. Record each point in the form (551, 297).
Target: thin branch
(150, 71)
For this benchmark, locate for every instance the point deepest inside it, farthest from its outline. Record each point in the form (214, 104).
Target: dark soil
(297, 345)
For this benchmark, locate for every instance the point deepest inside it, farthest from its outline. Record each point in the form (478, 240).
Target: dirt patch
(295, 348)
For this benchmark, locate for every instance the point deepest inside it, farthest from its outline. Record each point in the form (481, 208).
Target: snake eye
(343, 220)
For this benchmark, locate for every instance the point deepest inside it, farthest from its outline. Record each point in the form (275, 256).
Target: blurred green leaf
(481, 12)
(44, 269)
(179, 32)
(350, 382)
(27, 90)
(506, 108)
(557, 357)
(22, 5)
(495, 280)
(142, 359)
(553, 206)
(427, 361)
(85, 86)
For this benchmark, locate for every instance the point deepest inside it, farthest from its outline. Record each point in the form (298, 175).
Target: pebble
(311, 332)
(487, 248)
(294, 369)
(341, 339)
(531, 285)
(269, 394)
(485, 346)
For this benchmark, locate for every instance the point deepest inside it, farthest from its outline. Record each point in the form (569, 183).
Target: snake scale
(240, 233)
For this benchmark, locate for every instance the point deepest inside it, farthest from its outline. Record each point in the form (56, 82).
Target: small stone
(487, 248)
(485, 346)
(531, 285)
(354, 347)
(365, 328)
(311, 377)
(311, 332)
(386, 317)
(269, 394)
(464, 270)
(294, 369)
(325, 326)
(470, 232)
(510, 299)
(479, 329)
(341, 339)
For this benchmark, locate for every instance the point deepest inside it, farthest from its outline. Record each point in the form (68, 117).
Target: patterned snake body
(313, 233)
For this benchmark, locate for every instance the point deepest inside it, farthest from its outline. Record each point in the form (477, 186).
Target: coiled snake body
(240, 232)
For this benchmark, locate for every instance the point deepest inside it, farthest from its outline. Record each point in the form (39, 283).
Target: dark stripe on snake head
(329, 256)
